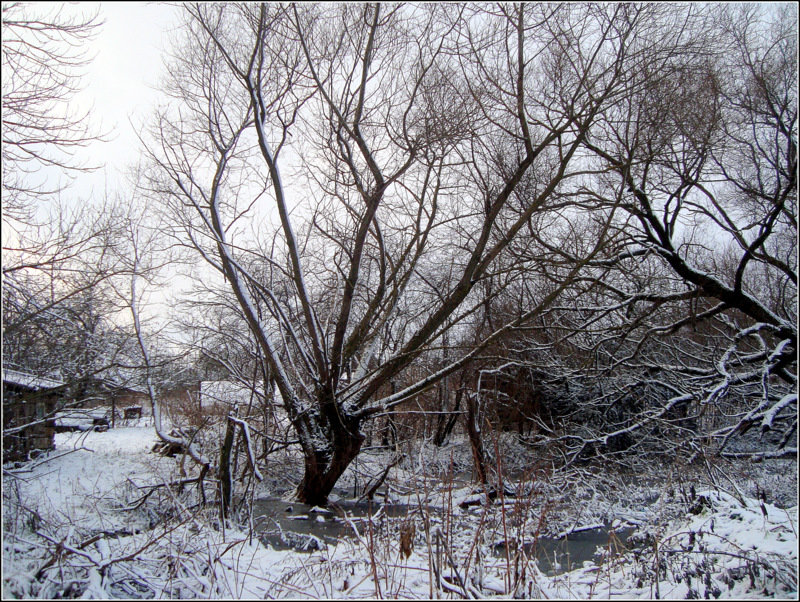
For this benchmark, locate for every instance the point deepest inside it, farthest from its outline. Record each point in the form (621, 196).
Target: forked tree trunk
(323, 468)
(321, 474)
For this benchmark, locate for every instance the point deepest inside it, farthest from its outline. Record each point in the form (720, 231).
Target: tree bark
(225, 476)
(473, 431)
(323, 468)
(446, 422)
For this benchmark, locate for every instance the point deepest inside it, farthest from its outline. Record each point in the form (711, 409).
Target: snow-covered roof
(226, 391)
(99, 412)
(113, 384)
(30, 381)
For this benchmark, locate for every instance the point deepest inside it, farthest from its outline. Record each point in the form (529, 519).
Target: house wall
(127, 399)
(181, 397)
(21, 407)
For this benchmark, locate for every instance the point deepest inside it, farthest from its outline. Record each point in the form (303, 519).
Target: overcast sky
(121, 83)
(121, 87)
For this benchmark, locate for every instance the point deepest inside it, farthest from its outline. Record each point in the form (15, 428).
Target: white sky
(121, 85)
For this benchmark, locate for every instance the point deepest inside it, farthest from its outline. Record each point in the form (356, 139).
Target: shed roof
(31, 382)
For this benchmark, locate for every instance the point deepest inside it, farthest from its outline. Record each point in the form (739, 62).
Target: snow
(83, 501)
(30, 381)
(81, 419)
(126, 443)
(772, 413)
(79, 485)
(703, 552)
(580, 529)
(227, 393)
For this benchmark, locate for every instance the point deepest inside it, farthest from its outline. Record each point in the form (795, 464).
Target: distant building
(29, 405)
(80, 419)
(120, 402)
(100, 402)
(226, 394)
(36, 407)
(220, 396)
(94, 392)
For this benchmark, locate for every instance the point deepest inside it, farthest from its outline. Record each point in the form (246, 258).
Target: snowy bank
(104, 518)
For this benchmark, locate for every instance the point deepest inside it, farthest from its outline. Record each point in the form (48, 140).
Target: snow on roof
(80, 418)
(30, 381)
(113, 384)
(37, 383)
(227, 391)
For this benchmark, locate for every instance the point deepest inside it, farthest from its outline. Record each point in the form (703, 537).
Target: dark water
(294, 526)
(560, 555)
(291, 525)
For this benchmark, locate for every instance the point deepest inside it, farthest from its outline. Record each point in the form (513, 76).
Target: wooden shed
(29, 404)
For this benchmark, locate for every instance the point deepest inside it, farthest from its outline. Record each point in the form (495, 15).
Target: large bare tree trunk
(325, 461)
(322, 470)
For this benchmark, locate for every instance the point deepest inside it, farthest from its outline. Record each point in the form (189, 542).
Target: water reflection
(291, 525)
(563, 554)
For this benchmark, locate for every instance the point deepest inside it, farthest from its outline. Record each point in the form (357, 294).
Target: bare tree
(706, 159)
(55, 264)
(423, 143)
(58, 311)
(43, 55)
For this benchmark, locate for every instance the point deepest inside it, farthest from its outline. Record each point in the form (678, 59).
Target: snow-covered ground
(98, 520)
